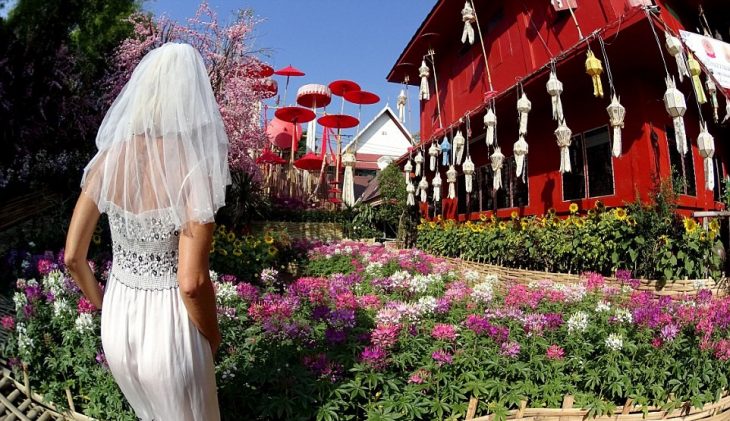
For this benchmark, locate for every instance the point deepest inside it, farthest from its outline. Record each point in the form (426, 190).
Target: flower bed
(374, 333)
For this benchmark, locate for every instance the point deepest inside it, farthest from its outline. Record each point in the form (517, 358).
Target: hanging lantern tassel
(407, 169)
(594, 68)
(712, 90)
(497, 158)
(419, 163)
(674, 46)
(423, 188)
(706, 144)
(445, 152)
(695, 70)
(433, 152)
(436, 187)
(727, 110)
(401, 105)
(523, 107)
(348, 184)
(411, 190)
(563, 135)
(520, 150)
(467, 15)
(676, 106)
(490, 122)
(555, 88)
(468, 169)
(616, 114)
(459, 142)
(424, 73)
(451, 179)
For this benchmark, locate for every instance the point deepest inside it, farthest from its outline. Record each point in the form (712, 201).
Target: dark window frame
(585, 174)
(687, 189)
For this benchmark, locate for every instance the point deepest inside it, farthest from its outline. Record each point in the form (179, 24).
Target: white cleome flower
(61, 307)
(54, 282)
(20, 300)
(699, 284)
(84, 323)
(213, 275)
(225, 291)
(603, 307)
(471, 276)
(624, 316)
(483, 292)
(427, 304)
(578, 322)
(419, 283)
(614, 342)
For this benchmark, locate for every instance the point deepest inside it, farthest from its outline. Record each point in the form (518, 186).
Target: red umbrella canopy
(362, 97)
(289, 71)
(338, 121)
(269, 157)
(295, 114)
(339, 87)
(261, 70)
(267, 87)
(314, 95)
(309, 162)
(281, 133)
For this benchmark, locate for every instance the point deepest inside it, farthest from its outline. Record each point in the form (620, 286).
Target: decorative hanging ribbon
(459, 142)
(436, 182)
(594, 68)
(695, 70)
(490, 122)
(348, 184)
(674, 46)
(419, 163)
(423, 188)
(497, 159)
(433, 153)
(407, 169)
(712, 90)
(467, 16)
(411, 190)
(520, 149)
(401, 105)
(468, 169)
(616, 114)
(676, 106)
(523, 107)
(563, 135)
(451, 179)
(424, 72)
(445, 152)
(706, 145)
(555, 88)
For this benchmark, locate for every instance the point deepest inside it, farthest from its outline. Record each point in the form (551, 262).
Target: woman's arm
(193, 275)
(80, 231)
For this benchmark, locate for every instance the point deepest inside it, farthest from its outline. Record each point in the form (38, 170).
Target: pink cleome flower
(8, 322)
(555, 352)
(442, 357)
(444, 332)
(85, 306)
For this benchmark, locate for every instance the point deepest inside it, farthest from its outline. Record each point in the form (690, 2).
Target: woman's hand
(80, 231)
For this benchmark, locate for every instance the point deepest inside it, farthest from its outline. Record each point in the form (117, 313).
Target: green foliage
(325, 267)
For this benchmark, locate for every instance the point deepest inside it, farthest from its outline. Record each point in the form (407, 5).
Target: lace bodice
(145, 250)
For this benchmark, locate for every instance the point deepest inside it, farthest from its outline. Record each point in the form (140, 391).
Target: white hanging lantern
(411, 190)
(451, 179)
(555, 88)
(676, 107)
(563, 136)
(674, 46)
(523, 107)
(616, 114)
(468, 169)
(520, 149)
(407, 169)
(712, 90)
(401, 105)
(706, 145)
(348, 183)
(436, 182)
(424, 72)
(490, 122)
(467, 15)
(459, 142)
(423, 188)
(433, 152)
(419, 163)
(497, 159)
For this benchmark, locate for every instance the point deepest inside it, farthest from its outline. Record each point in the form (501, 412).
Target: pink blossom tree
(234, 69)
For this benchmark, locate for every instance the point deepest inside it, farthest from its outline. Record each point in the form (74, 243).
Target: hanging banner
(712, 53)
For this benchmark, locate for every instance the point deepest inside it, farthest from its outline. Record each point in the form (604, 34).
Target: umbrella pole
(291, 160)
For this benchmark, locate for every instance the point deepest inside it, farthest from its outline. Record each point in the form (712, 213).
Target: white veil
(162, 144)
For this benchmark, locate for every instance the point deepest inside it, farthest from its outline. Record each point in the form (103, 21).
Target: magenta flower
(85, 306)
(669, 332)
(373, 356)
(442, 357)
(555, 352)
(45, 266)
(444, 332)
(722, 350)
(385, 335)
(594, 281)
(370, 302)
(510, 349)
(247, 292)
(8, 322)
(419, 377)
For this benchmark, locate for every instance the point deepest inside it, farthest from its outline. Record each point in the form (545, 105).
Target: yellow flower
(231, 236)
(524, 223)
(432, 224)
(579, 222)
(238, 244)
(223, 252)
(502, 225)
(714, 226)
(268, 239)
(237, 252)
(551, 211)
(689, 225)
(97, 239)
(573, 207)
(272, 251)
(591, 212)
(514, 214)
(664, 239)
(620, 213)
(703, 236)
(631, 221)
(483, 217)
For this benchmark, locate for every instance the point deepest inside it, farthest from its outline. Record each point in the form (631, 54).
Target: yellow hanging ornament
(695, 70)
(594, 68)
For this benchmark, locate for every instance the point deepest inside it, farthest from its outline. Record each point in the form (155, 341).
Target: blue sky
(328, 40)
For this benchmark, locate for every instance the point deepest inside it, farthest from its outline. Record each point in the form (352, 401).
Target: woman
(160, 175)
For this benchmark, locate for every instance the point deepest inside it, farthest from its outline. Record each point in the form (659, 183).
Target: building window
(365, 173)
(591, 165)
(514, 191)
(683, 168)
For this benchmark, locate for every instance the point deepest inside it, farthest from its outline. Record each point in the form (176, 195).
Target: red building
(521, 39)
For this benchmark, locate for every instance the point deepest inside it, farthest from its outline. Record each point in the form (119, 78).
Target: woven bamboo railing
(325, 231)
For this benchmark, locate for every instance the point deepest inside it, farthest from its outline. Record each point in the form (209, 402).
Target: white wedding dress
(161, 361)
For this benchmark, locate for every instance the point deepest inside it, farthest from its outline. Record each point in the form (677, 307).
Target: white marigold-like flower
(420, 283)
(483, 292)
(603, 307)
(213, 275)
(624, 316)
(614, 342)
(20, 301)
(53, 282)
(578, 322)
(471, 276)
(84, 323)
(225, 291)
(427, 304)
(60, 307)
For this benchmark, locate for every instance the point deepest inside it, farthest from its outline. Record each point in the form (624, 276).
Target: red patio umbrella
(362, 97)
(338, 121)
(269, 157)
(288, 71)
(309, 162)
(340, 87)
